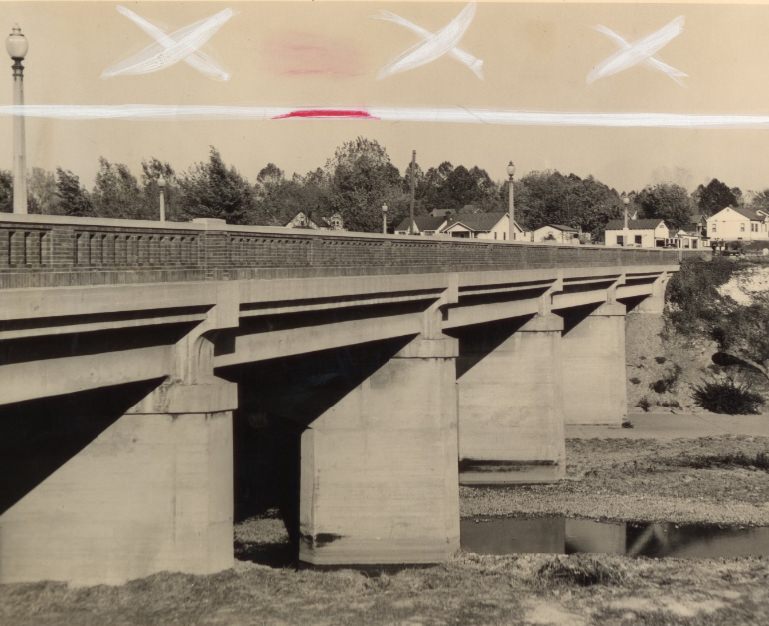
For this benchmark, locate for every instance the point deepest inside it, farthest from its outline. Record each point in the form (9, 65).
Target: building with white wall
(735, 223)
(643, 233)
(492, 225)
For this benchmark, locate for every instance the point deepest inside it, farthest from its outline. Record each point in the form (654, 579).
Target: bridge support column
(655, 303)
(379, 469)
(593, 357)
(152, 492)
(511, 409)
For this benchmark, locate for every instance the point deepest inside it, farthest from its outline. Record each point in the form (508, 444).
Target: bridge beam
(152, 492)
(593, 357)
(510, 404)
(379, 469)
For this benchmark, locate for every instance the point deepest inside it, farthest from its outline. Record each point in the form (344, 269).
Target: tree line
(355, 182)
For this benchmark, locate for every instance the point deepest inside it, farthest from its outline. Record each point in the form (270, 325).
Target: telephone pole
(411, 204)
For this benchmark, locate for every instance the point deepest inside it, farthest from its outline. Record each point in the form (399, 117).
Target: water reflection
(561, 535)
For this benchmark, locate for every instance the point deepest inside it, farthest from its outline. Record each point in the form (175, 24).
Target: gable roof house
(425, 225)
(643, 233)
(735, 223)
(492, 225)
(556, 233)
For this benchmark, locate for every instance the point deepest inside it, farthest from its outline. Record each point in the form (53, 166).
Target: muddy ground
(714, 479)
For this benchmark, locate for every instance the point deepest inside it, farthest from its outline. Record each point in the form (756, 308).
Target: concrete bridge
(411, 364)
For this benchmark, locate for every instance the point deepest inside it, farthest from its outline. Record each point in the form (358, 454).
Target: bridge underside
(385, 394)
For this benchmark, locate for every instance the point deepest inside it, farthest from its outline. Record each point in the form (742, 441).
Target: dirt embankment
(662, 366)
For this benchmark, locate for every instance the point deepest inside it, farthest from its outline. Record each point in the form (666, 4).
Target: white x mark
(433, 45)
(641, 51)
(181, 45)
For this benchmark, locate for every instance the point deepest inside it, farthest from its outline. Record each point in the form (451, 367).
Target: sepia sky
(536, 57)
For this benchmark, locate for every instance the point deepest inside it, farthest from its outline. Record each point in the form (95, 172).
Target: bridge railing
(45, 250)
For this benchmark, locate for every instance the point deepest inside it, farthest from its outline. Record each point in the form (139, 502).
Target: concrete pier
(593, 357)
(511, 404)
(379, 468)
(654, 304)
(152, 492)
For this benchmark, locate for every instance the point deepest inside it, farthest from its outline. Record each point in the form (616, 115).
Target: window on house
(753, 227)
(495, 235)
(742, 227)
(504, 235)
(639, 239)
(620, 240)
(713, 227)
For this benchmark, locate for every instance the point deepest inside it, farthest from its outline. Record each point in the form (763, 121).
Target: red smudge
(306, 54)
(320, 113)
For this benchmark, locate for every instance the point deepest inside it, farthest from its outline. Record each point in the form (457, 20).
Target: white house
(734, 223)
(493, 225)
(556, 233)
(425, 225)
(643, 233)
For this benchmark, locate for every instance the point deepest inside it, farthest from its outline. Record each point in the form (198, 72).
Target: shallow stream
(563, 535)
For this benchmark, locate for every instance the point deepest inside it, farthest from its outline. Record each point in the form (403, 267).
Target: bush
(580, 570)
(644, 403)
(635, 380)
(668, 381)
(727, 396)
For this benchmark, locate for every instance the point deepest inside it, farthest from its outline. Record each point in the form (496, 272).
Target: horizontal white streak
(443, 115)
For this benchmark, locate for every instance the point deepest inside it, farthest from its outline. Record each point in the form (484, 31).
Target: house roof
(567, 229)
(751, 214)
(478, 222)
(423, 222)
(642, 224)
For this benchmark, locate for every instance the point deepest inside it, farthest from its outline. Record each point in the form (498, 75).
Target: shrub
(635, 380)
(727, 396)
(644, 403)
(668, 381)
(660, 359)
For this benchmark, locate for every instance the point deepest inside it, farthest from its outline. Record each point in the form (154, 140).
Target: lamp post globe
(17, 46)
(511, 169)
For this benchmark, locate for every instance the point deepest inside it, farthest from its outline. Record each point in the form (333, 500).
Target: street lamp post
(17, 46)
(384, 219)
(625, 229)
(511, 201)
(162, 188)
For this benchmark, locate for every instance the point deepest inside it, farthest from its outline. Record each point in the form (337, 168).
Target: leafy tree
(279, 199)
(714, 196)
(73, 199)
(116, 192)
(666, 201)
(41, 188)
(760, 200)
(212, 189)
(697, 307)
(6, 191)
(362, 178)
(549, 197)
